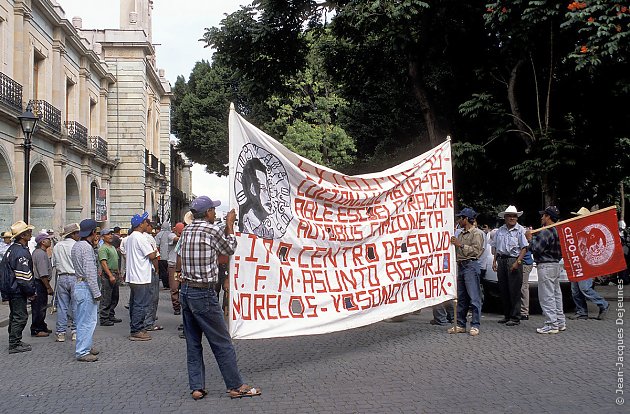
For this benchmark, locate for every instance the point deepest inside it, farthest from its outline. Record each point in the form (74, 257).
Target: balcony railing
(146, 157)
(77, 134)
(162, 168)
(48, 115)
(154, 162)
(10, 93)
(99, 145)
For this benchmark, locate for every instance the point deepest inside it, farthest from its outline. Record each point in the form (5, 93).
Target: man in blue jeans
(86, 292)
(469, 246)
(200, 244)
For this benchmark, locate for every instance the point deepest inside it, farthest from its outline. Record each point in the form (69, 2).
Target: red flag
(591, 245)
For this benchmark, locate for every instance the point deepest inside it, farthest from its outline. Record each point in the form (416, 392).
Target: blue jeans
(468, 293)
(86, 317)
(583, 290)
(66, 305)
(549, 294)
(154, 298)
(203, 315)
(443, 313)
(139, 300)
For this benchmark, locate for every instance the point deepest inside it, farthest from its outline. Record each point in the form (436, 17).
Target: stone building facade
(104, 111)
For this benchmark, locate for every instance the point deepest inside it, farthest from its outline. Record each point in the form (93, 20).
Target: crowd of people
(511, 251)
(88, 266)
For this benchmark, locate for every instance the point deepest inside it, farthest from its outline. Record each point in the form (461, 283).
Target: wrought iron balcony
(154, 162)
(49, 116)
(77, 134)
(162, 168)
(99, 145)
(146, 157)
(10, 93)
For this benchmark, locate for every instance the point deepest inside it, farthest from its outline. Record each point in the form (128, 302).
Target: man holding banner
(545, 247)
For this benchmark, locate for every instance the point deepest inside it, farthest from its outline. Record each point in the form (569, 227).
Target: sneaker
(180, 327)
(562, 328)
(547, 329)
(87, 358)
(177, 312)
(19, 348)
(25, 345)
(456, 330)
(577, 317)
(524, 317)
(140, 336)
(107, 323)
(512, 323)
(74, 336)
(474, 331)
(503, 320)
(61, 337)
(602, 313)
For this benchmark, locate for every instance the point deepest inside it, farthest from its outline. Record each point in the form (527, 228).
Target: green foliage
(325, 144)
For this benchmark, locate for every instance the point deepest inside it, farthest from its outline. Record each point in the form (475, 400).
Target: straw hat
(70, 228)
(188, 217)
(6, 234)
(581, 211)
(510, 210)
(20, 227)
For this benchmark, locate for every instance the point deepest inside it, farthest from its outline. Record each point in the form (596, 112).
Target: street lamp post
(28, 122)
(162, 192)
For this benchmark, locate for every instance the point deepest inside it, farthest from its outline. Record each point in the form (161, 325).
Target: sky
(177, 26)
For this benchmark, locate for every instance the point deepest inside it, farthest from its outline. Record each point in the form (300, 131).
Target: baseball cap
(551, 211)
(86, 227)
(137, 219)
(106, 231)
(42, 236)
(202, 204)
(467, 212)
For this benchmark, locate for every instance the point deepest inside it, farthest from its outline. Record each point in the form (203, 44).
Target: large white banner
(320, 251)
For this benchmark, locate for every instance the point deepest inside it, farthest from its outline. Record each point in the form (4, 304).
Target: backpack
(8, 283)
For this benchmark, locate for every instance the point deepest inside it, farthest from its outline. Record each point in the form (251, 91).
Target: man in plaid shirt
(200, 244)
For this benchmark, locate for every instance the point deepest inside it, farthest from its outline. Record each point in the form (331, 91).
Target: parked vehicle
(490, 287)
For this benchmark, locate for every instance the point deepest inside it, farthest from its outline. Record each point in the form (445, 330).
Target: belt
(201, 285)
(505, 256)
(81, 279)
(466, 261)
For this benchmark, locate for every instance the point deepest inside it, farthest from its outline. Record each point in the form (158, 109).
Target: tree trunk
(436, 136)
(548, 190)
(515, 108)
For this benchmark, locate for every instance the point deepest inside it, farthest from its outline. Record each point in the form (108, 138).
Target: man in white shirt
(139, 254)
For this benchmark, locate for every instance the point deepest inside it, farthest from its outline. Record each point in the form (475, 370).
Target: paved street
(410, 367)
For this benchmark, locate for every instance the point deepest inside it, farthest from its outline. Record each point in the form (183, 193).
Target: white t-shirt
(138, 249)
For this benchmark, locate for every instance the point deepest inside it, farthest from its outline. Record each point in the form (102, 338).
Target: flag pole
(448, 138)
(581, 216)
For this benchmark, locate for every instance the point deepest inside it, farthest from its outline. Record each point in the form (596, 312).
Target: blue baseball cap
(467, 212)
(86, 227)
(203, 204)
(106, 231)
(137, 219)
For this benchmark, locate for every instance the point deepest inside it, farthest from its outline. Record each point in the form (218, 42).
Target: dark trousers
(109, 301)
(18, 317)
(163, 270)
(38, 309)
(510, 283)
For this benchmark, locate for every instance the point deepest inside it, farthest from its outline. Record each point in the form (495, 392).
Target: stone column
(86, 187)
(58, 81)
(59, 188)
(84, 97)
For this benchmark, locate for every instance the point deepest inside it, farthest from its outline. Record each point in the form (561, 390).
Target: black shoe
(602, 313)
(578, 317)
(524, 317)
(116, 320)
(49, 331)
(107, 323)
(177, 312)
(25, 345)
(512, 323)
(19, 348)
(180, 327)
(126, 306)
(503, 320)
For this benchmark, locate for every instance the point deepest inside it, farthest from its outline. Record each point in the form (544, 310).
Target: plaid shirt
(200, 244)
(545, 246)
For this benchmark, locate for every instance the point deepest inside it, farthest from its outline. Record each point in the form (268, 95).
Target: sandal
(244, 391)
(198, 394)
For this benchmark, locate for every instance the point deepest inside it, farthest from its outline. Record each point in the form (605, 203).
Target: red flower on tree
(583, 49)
(591, 20)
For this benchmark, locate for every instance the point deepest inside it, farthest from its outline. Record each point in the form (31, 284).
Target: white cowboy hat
(581, 211)
(510, 210)
(20, 227)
